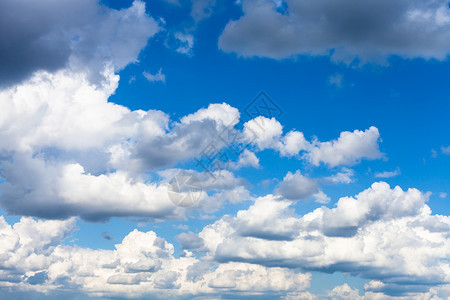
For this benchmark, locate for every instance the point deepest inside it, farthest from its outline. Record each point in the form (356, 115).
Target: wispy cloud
(155, 77)
(336, 80)
(388, 174)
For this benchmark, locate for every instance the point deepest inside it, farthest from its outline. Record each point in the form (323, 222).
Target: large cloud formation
(383, 234)
(67, 151)
(368, 31)
(34, 258)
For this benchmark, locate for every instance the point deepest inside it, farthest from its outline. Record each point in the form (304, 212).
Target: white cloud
(445, 150)
(292, 143)
(321, 197)
(58, 190)
(343, 292)
(246, 159)
(344, 176)
(388, 174)
(142, 265)
(348, 149)
(158, 77)
(185, 43)
(336, 80)
(360, 236)
(263, 131)
(223, 114)
(346, 31)
(71, 135)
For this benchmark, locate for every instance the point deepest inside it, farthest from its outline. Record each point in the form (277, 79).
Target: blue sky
(341, 193)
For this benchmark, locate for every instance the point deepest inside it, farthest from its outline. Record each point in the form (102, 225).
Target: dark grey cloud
(368, 31)
(51, 34)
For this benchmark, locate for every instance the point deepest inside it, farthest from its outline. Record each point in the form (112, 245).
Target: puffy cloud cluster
(348, 149)
(382, 234)
(34, 258)
(348, 30)
(67, 151)
(73, 153)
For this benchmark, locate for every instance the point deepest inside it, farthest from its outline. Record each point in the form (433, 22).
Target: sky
(210, 149)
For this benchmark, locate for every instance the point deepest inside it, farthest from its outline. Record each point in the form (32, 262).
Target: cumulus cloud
(54, 190)
(344, 292)
(348, 149)
(142, 265)
(349, 30)
(246, 159)
(71, 136)
(358, 236)
(51, 35)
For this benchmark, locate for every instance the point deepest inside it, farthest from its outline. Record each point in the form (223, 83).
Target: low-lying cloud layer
(33, 258)
(382, 234)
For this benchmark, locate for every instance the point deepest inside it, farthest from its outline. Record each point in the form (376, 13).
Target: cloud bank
(348, 31)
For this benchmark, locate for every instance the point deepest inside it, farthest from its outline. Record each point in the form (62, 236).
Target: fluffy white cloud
(267, 133)
(246, 159)
(347, 30)
(59, 132)
(223, 114)
(344, 292)
(57, 190)
(69, 135)
(348, 149)
(359, 236)
(34, 258)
